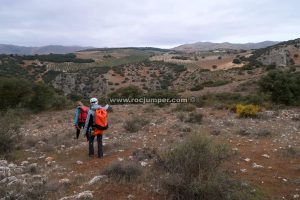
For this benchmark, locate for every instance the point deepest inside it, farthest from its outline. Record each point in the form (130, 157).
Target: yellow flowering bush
(249, 110)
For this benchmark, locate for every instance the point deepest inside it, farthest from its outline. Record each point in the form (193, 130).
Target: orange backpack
(100, 121)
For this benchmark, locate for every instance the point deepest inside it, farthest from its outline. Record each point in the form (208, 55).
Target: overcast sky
(159, 23)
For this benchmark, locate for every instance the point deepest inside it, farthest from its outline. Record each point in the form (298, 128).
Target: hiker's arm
(76, 116)
(106, 107)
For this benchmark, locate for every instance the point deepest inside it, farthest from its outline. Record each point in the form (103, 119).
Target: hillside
(235, 134)
(103, 71)
(22, 50)
(57, 166)
(282, 54)
(209, 46)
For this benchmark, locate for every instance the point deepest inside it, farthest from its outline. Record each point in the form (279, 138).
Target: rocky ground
(265, 153)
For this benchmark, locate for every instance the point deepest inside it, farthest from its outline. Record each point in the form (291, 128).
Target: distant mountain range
(199, 46)
(207, 46)
(22, 50)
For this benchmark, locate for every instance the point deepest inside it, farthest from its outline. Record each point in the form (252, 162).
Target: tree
(284, 87)
(236, 61)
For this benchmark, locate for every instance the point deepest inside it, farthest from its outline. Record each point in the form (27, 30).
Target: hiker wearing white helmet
(88, 128)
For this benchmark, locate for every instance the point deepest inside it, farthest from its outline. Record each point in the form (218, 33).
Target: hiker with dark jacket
(80, 117)
(90, 130)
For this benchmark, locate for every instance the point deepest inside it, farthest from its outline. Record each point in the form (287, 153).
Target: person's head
(79, 103)
(93, 101)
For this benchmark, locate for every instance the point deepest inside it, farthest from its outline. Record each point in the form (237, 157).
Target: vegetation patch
(192, 171)
(19, 93)
(247, 110)
(197, 87)
(123, 171)
(283, 86)
(185, 107)
(57, 58)
(215, 83)
(135, 123)
(9, 132)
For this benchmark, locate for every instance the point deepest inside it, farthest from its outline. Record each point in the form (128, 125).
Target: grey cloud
(163, 23)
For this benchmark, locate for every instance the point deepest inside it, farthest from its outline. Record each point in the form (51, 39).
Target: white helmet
(94, 100)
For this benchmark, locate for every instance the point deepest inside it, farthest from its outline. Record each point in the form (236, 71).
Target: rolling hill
(208, 46)
(23, 50)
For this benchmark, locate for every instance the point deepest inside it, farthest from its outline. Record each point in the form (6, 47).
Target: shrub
(293, 151)
(165, 97)
(194, 117)
(192, 167)
(192, 172)
(186, 107)
(246, 110)
(33, 168)
(14, 92)
(263, 133)
(181, 116)
(216, 83)
(144, 153)
(127, 92)
(180, 57)
(57, 58)
(293, 68)
(127, 171)
(135, 124)
(197, 87)
(243, 132)
(256, 99)
(236, 61)
(9, 133)
(271, 67)
(284, 87)
(19, 93)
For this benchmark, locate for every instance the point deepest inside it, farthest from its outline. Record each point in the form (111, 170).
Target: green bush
(19, 93)
(192, 117)
(135, 123)
(197, 87)
(226, 99)
(57, 58)
(236, 61)
(9, 133)
(284, 87)
(127, 92)
(186, 107)
(256, 99)
(215, 83)
(14, 93)
(162, 95)
(123, 171)
(192, 171)
(180, 57)
(10, 67)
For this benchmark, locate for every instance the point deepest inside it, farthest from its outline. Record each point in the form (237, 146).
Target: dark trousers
(100, 145)
(80, 125)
